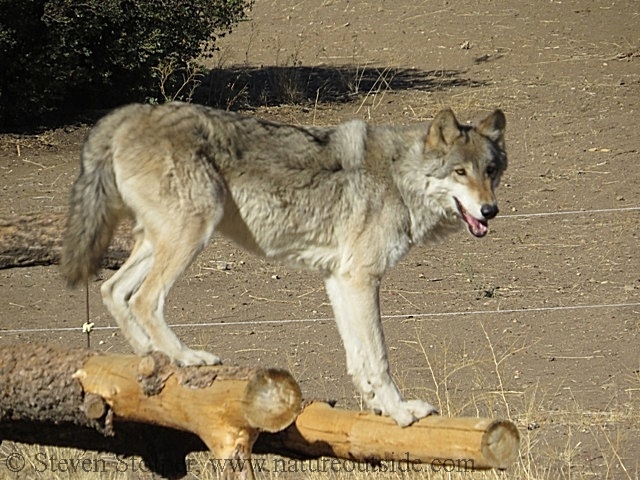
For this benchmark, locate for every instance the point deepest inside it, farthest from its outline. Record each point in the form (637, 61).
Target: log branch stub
(94, 406)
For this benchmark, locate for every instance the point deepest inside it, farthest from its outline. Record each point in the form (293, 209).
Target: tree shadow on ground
(247, 88)
(238, 88)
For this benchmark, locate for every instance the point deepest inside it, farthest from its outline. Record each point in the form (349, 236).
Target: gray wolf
(348, 201)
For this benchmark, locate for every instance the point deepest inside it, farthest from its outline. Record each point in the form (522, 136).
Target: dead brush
(176, 81)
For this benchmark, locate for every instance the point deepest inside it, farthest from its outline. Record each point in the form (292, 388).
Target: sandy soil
(539, 322)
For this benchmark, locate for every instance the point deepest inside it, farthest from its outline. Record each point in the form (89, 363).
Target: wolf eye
(461, 171)
(491, 170)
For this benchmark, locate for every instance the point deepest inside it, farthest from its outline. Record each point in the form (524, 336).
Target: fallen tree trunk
(148, 407)
(36, 239)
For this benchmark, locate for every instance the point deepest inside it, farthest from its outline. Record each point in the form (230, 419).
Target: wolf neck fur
(430, 218)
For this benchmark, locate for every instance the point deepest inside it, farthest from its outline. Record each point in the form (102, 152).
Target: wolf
(348, 201)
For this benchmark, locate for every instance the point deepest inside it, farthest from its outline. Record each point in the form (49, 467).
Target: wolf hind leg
(176, 243)
(117, 291)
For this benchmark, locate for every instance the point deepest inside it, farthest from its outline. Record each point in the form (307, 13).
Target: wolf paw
(407, 412)
(188, 357)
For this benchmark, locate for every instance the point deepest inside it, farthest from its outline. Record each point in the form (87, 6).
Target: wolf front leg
(356, 306)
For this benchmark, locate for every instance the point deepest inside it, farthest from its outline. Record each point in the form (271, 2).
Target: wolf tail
(94, 209)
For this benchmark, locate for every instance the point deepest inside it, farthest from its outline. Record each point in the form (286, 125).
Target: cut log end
(272, 400)
(94, 406)
(500, 444)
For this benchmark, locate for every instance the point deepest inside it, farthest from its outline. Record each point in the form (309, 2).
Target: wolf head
(465, 164)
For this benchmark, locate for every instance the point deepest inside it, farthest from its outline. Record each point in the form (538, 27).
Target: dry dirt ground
(538, 322)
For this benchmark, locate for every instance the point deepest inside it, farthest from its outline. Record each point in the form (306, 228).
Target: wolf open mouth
(477, 228)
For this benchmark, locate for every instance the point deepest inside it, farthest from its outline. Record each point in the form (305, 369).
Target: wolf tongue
(476, 227)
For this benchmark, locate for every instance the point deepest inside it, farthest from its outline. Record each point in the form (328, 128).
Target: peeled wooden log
(36, 239)
(463, 442)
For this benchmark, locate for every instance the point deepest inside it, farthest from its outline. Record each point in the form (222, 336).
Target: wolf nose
(489, 211)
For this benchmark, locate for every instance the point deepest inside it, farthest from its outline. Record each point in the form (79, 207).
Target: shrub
(62, 55)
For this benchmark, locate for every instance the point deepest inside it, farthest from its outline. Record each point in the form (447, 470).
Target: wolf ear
(443, 131)
(493, 127)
